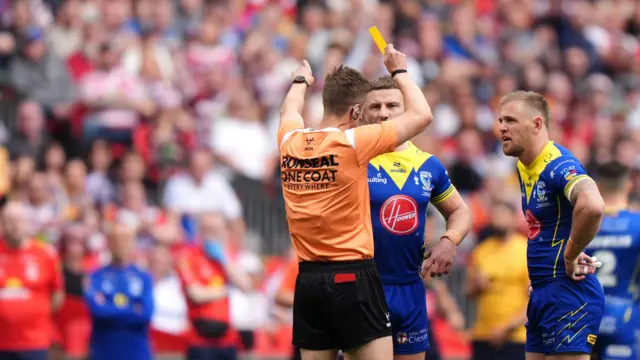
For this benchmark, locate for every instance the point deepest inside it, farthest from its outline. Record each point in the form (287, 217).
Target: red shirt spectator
(194, 268)
(29, 277)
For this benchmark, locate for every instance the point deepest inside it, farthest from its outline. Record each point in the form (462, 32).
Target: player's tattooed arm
(588, 209)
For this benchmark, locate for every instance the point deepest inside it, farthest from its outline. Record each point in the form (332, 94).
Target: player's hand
(394, 59)
(304, 70)
(438, 261)
(582, 266)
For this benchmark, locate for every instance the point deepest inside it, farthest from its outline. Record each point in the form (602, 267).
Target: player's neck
(615, 202)
(403, 146)
(529, 155)
(332, 121)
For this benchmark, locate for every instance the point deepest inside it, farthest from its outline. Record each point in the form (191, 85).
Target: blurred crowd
(162, 114)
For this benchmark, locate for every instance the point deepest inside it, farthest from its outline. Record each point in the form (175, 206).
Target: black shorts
(339, 305)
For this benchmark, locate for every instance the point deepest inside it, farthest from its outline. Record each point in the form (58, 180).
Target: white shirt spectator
(250, 157)
(249, 310)
(102, 84)
(170, 307)
(184, 195)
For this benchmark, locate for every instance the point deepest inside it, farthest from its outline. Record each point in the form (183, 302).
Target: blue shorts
(619, 337)
(407, 305)
(564, 316)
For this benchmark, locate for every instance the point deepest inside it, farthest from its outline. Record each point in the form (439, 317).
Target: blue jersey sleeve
(566, 174)
(442, 187)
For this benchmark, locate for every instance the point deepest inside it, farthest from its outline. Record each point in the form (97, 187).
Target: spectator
(65, 36)
(206, 276)
(30, 291)
(169, 323)
(201, 190)
(73, 323)
(120, 297)
(497, 278)
(78, 201)
(31, 139)
(44, 214)
(41, 75)
(99, 184)
(114, 97)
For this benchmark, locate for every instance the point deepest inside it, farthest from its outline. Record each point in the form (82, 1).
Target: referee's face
(515, 130)
(383, 105)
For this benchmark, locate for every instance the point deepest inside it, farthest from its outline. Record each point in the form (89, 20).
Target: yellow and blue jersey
(401, 185)
(617, 246)
(546, 185)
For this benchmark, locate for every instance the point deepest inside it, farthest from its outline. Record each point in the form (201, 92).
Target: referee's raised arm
(417, 115)
(291, 111)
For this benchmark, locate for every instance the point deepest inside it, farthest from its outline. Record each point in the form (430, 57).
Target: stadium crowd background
(110, 109)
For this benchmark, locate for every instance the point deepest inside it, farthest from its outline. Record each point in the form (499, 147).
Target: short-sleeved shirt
(324, 181)
(504, 264)
(194, 268)
(402, 184)
(546, 186)
(29, 276)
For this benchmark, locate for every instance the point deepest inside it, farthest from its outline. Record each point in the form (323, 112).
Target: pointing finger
(306, 64)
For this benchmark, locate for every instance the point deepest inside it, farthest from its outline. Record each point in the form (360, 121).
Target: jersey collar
(541, 160)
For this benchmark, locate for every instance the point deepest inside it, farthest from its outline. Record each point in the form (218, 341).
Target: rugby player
(339, 301)
(563, 208)
(617, 245)
(401, 185)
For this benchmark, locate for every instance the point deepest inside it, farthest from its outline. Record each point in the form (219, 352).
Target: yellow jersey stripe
(572, 183)
(444, 196)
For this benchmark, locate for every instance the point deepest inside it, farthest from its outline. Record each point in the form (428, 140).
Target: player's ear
(538, 124)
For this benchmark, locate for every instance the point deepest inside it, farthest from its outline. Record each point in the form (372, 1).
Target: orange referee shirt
(324, 180)
(29, 276)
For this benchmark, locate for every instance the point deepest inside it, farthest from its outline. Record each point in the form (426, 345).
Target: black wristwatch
(300, 80)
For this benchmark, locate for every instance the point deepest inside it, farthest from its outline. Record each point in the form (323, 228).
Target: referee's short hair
(344, 87)
(612, 176)
(533, 100)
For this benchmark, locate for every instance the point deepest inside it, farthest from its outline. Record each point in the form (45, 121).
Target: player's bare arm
(439, 259)
(588, 209)
(291, 111)
(417, 115)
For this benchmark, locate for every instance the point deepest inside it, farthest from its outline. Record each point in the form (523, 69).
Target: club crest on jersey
(399, 215)
(425, 179)
(541, 191)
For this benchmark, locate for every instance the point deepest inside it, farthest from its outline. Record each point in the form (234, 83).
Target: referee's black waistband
(336, 266)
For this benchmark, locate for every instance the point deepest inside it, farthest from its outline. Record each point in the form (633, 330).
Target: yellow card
(377, 37)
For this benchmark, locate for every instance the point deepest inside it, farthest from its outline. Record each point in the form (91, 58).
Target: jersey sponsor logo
(425, 179)
(398, 168)
(569, 173)
(378, 179)
(309, 174)
(535, 226)
(541, 191)
(413, 337)
(591, 339)
(399, 215)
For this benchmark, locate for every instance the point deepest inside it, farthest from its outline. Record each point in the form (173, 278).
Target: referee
(339, 302)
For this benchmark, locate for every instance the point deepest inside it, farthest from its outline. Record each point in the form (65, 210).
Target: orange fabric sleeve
(375, 139)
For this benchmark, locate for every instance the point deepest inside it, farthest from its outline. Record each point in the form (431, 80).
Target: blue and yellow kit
(401, 185)
(617, 246)
(563, 315)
